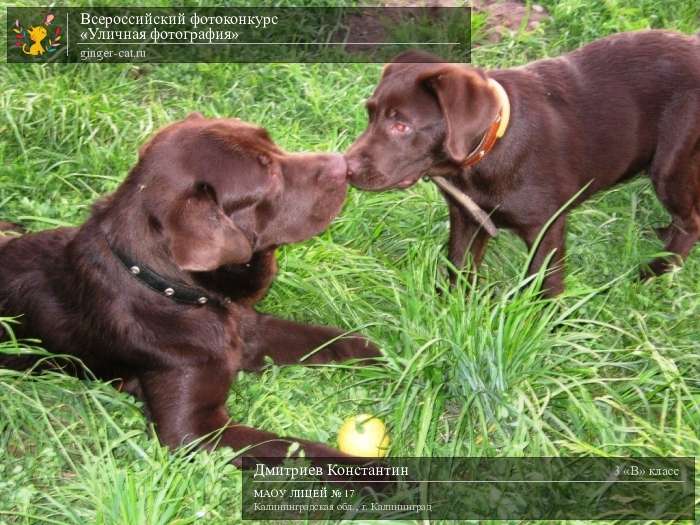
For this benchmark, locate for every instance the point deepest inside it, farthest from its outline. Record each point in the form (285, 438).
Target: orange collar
(497, 128)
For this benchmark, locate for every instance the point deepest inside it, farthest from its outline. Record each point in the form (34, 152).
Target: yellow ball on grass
(365, 436)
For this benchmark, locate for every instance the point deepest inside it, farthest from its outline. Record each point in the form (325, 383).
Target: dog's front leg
(288, 343)
(465, 234)
(189, 404)
(551, 244)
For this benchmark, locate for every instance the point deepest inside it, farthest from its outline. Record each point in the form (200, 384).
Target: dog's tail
(9, 230)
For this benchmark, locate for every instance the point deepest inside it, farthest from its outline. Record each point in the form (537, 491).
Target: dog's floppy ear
(412, 56)
(202, 238)
(467, 102)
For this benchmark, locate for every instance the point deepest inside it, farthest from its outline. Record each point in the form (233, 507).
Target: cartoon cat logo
(31, 40)
(36, 35)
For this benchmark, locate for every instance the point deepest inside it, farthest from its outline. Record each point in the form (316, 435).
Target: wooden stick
(468, 204)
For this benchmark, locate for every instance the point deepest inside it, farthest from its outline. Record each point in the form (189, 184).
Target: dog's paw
(658, 267)
(356, 347)
(344, 349)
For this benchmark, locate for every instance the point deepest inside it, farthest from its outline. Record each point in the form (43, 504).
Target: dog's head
(424, 115)
(215, 191)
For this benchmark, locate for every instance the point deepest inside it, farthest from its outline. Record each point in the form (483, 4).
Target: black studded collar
(176, 291)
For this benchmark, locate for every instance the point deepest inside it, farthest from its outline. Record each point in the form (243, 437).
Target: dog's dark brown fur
(206, 205)
(598, 115)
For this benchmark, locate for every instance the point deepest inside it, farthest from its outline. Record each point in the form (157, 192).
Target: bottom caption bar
(470, 489)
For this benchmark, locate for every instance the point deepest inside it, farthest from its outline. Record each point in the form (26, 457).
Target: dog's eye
(399, 127)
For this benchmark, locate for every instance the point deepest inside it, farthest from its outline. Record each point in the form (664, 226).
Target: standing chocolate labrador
(522, 141)
(156, 288)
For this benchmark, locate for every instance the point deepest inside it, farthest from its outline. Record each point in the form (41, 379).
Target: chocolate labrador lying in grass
(521, 142)
(157, 288)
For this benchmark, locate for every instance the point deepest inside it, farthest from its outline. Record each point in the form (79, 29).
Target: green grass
(611, 368)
